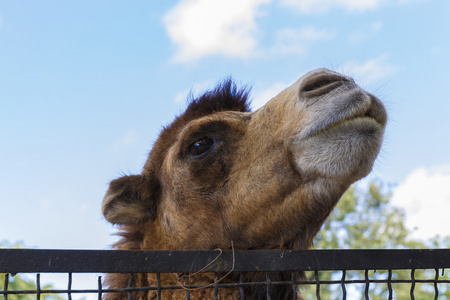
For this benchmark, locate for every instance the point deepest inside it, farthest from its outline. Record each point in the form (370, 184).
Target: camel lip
(342, 123)
(368, 115)
(373, 115)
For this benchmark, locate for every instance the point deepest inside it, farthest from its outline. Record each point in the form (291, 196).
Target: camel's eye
(201, 146)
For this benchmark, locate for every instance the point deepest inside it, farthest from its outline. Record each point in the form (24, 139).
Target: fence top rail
(165, 261)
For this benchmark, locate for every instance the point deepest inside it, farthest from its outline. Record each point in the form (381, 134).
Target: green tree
(22, 283)
(364, 219)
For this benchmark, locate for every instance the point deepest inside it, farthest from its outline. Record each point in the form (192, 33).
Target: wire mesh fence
(313, 274)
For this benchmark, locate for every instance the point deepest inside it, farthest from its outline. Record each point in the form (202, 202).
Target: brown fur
(265, 180)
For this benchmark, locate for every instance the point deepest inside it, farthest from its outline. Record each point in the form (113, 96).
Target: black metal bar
(344, 291)
(436, 291)
(294, 286)
(38, 286)
(316, 275)
(216, 288)
(130, 285)
(220, 285)
(69, 287)
(127, 261)
(241, 281)
(5, 287)
(88, 261)
(267, 287)
(389, 284)
(366, 280)
(158, 285)
(413, 284)
(100, 292)
(186, 283)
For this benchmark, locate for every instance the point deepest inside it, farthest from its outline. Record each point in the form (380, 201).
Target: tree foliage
(364, 219)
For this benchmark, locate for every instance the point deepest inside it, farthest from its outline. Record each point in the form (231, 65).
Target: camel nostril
(323, 82)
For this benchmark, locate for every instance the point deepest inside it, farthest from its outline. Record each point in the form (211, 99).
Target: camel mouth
(343, 143)
(367, 117)
(372, 116)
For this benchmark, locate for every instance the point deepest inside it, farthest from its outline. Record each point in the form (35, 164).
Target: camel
(268, 179)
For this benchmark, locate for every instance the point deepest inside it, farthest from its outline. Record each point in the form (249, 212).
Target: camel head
(265, 179)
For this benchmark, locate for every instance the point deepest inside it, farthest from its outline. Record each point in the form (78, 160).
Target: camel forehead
(236, 120)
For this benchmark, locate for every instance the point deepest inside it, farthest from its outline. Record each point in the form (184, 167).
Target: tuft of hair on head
(226, 96)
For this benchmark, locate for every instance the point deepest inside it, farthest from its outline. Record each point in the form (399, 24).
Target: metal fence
(330, 274)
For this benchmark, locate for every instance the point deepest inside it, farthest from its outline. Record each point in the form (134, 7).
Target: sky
(86, 86)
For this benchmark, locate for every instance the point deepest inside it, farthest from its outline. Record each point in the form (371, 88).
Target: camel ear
(131, 199)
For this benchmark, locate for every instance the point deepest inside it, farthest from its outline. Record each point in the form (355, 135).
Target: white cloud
(369, 71)
(320, 6)
(203, 27)
(298, 40)
(262, 97)
(425, 195)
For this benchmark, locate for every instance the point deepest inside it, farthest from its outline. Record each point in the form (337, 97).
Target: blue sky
(86, 86)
